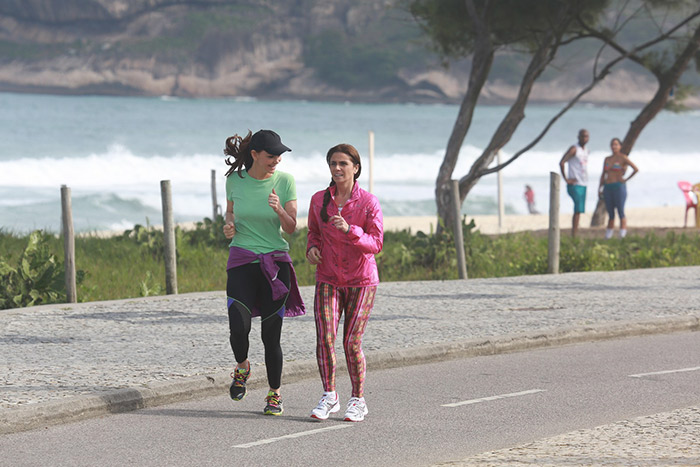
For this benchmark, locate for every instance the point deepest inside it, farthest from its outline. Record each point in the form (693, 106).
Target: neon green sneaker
(237, 389)
(274, 404)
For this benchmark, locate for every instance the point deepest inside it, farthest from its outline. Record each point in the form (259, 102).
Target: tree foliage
(453, 31)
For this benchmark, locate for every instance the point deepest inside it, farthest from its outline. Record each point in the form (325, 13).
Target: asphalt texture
(68, 362)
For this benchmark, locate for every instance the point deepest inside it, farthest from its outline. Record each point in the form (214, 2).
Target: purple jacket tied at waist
(295, 305)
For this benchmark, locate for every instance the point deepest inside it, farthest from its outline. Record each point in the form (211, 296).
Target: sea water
(112, 152)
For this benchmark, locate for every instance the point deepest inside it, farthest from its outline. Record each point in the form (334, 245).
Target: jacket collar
(353, 195)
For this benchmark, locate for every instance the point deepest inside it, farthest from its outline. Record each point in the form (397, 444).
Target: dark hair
(239, 149)
(350, 151)
(616, 139)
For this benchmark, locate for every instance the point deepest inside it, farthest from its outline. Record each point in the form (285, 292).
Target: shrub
(37, 279)
(149, 240)
(131, 265)
(207, 232)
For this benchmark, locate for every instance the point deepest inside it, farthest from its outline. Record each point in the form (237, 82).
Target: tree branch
(596, 79)
(631, 55)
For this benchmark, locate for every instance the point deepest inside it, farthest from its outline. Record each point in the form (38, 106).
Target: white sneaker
(326, 406)
(357, 409)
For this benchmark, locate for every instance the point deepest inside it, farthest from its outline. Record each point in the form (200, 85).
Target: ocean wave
(119, 187)
(119, 166)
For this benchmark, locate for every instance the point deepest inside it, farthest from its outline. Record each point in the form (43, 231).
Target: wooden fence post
(169, 238)
(68, 244)
(554, 231)
(459, 237)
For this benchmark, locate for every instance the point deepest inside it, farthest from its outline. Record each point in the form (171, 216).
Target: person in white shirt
(577, 158)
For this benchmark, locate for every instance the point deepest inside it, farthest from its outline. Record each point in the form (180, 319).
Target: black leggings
(247, 286)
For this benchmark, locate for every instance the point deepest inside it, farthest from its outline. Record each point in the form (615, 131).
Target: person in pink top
(346, 230)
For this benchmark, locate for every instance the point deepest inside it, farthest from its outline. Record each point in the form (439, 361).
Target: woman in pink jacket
(345, 232)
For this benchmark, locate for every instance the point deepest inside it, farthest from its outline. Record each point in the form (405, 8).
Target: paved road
(68, 362)
(452, 411)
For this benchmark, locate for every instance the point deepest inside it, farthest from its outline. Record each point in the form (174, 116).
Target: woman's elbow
(376, 247)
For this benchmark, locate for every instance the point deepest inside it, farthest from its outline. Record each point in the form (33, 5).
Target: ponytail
(326, 200)
(238, 148)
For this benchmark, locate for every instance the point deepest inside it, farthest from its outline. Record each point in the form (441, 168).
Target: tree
(667, 67)
(480, 28)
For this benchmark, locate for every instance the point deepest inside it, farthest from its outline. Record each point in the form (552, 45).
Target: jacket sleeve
(313, 238)
(369, 239)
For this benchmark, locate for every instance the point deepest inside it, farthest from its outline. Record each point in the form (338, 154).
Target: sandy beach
(638, 219)
(662, 217)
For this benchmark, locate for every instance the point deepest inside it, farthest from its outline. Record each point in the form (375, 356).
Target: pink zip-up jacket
(347, 259)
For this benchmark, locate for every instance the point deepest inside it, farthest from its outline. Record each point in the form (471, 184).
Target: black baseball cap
(268, 141)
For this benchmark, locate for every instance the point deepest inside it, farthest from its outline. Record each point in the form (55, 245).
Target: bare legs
(574, 223)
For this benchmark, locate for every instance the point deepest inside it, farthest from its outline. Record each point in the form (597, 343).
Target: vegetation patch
(131, 264)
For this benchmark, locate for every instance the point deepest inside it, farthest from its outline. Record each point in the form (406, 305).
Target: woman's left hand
(339, 223)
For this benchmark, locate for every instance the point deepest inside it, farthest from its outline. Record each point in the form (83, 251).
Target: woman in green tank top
(261, 202)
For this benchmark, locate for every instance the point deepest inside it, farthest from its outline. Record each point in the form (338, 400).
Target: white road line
(291, 436)
(682, 370)
(493, 398)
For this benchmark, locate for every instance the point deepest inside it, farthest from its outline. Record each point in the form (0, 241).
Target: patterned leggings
(329, 304)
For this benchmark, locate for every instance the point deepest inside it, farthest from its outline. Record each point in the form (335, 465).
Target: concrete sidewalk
(69, 362)
(669, 438)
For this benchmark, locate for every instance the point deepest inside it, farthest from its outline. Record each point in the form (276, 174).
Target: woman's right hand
(229, 230)
(314, 255)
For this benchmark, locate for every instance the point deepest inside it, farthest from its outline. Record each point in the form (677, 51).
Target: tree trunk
(599, 213)
(540, 59)
(481, 67)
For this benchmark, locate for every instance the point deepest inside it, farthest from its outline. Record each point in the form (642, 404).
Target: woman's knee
(271, 330)
(352, 346)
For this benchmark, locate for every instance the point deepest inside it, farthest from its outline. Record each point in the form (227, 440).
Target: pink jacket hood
(347, 259)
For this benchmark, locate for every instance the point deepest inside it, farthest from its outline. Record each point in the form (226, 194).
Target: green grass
(131, 265)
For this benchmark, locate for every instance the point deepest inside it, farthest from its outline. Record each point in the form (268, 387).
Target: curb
(77, 408)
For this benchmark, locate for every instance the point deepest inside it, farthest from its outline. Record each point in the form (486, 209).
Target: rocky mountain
(365, 50)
